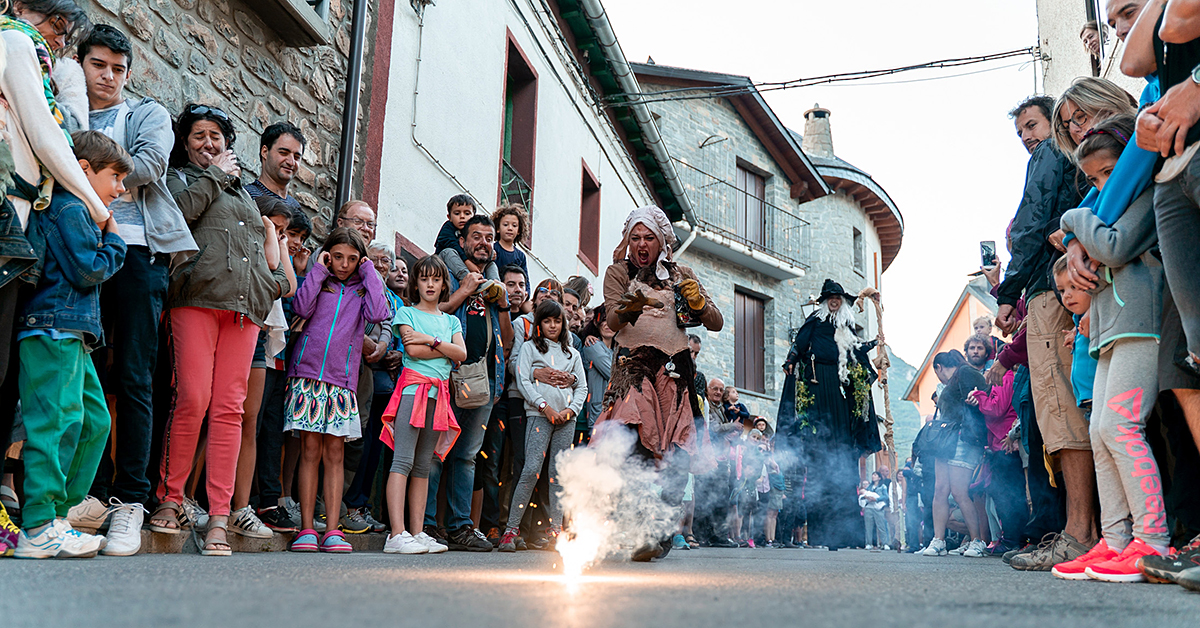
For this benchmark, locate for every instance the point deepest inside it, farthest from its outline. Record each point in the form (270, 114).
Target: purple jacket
(330, 347)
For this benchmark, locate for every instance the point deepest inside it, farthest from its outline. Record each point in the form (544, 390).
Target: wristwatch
(436, 341)
(1196, 75)
(541, 406)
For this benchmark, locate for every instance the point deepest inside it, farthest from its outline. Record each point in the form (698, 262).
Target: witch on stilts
(827, 417)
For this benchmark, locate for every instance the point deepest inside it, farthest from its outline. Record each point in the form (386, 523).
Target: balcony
(743, 227)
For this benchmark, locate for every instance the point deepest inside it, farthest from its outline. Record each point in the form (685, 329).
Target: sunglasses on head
(201, 110)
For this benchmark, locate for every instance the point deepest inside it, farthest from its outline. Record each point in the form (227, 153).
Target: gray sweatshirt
(1127, 301)
(535, 392)
(597, 361)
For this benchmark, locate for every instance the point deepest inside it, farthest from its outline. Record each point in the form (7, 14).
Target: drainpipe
(358, 33)
(598, 20)
(695, 231)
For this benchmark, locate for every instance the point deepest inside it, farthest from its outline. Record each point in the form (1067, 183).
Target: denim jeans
(1008, 493)
(459, 469)
(1177, 217)
(269, 441)
(131, 304)
(487, 469)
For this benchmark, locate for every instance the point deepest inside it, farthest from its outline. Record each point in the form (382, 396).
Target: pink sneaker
(1123, 568)
(1077, 569)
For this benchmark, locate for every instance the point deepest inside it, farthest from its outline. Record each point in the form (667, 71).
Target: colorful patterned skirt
(320, 407)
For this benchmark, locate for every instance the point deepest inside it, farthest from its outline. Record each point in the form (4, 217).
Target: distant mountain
(906, 418)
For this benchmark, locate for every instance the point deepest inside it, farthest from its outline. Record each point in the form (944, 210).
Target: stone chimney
(818, 140)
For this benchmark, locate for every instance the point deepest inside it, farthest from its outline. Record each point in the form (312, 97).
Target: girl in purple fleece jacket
(342, 293)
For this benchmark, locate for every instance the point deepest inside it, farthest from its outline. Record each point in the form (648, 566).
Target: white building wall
(1063, 55)
(459, 120)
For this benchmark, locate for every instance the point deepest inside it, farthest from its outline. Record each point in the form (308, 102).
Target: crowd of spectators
(1093, 407)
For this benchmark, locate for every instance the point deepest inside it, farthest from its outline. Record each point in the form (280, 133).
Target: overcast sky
(944, 149)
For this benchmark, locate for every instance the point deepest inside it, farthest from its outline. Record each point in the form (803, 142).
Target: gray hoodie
(1127, 301)
(148, 139)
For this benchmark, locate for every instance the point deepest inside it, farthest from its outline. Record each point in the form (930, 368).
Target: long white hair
(845, 337)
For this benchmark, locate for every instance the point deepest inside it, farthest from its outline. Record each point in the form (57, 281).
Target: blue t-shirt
(1083, 368)
(506, 258)
(440, 325)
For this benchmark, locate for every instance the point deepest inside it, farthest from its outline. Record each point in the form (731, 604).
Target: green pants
(66, 423)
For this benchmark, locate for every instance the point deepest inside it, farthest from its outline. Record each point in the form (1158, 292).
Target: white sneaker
(937, 547)
(403, 543)
(197, 516)
(91, 544)
(975, 549)
(430, 543)
(56, 540)
(958, 551)
(88, 515)
(244, 522)
(124, 529)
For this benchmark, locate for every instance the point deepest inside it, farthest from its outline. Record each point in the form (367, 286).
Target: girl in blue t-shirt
(433, 342)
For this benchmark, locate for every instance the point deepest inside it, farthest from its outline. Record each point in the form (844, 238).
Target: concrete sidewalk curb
(157, 543)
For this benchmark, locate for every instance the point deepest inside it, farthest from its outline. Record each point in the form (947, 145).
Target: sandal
(214, 548)
(168, 512)
(306, 541)
(335, 542)
(691, 541)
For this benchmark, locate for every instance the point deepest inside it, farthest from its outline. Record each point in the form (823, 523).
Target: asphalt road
(708, 587)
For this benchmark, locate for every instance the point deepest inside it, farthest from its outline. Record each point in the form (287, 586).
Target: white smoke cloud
(611, 499)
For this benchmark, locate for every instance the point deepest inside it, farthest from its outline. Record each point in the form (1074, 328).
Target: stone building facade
(814, 218)
(261, 68)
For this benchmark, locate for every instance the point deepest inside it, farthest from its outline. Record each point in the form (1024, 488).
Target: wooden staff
(882, 363)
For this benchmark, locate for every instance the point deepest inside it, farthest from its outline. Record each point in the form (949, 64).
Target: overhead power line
(722, 91)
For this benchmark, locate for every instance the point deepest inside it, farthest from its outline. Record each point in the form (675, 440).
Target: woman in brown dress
(650, 301)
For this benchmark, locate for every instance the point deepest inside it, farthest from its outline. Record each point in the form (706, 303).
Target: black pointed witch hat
(834, 289)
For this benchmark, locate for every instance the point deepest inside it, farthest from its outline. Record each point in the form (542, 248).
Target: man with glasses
(280, 149)
(1052, 186)
(359, 216)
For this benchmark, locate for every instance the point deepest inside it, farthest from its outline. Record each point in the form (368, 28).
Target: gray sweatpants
(540, 435)
(1177, 218)
(1127, 477)
(414, 446)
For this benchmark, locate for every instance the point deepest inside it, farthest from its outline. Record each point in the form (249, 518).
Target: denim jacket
(461, 313)
(16, 254)
(77, 259)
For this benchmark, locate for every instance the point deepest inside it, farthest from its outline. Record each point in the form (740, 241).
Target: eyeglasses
(61, 26)
(1080, 119)
(553, 293)
(358, 222)
(202, 110)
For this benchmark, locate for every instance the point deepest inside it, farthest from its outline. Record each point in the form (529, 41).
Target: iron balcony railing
(783, 234)
(514, 189)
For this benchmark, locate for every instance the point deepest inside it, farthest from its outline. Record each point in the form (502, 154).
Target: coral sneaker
(1123, 568)
(1077, 569)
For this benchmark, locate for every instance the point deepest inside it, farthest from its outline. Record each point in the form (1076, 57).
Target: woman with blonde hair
(1087, 101)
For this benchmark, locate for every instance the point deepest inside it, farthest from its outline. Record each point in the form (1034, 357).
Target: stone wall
(828, 252)
(221, 52)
